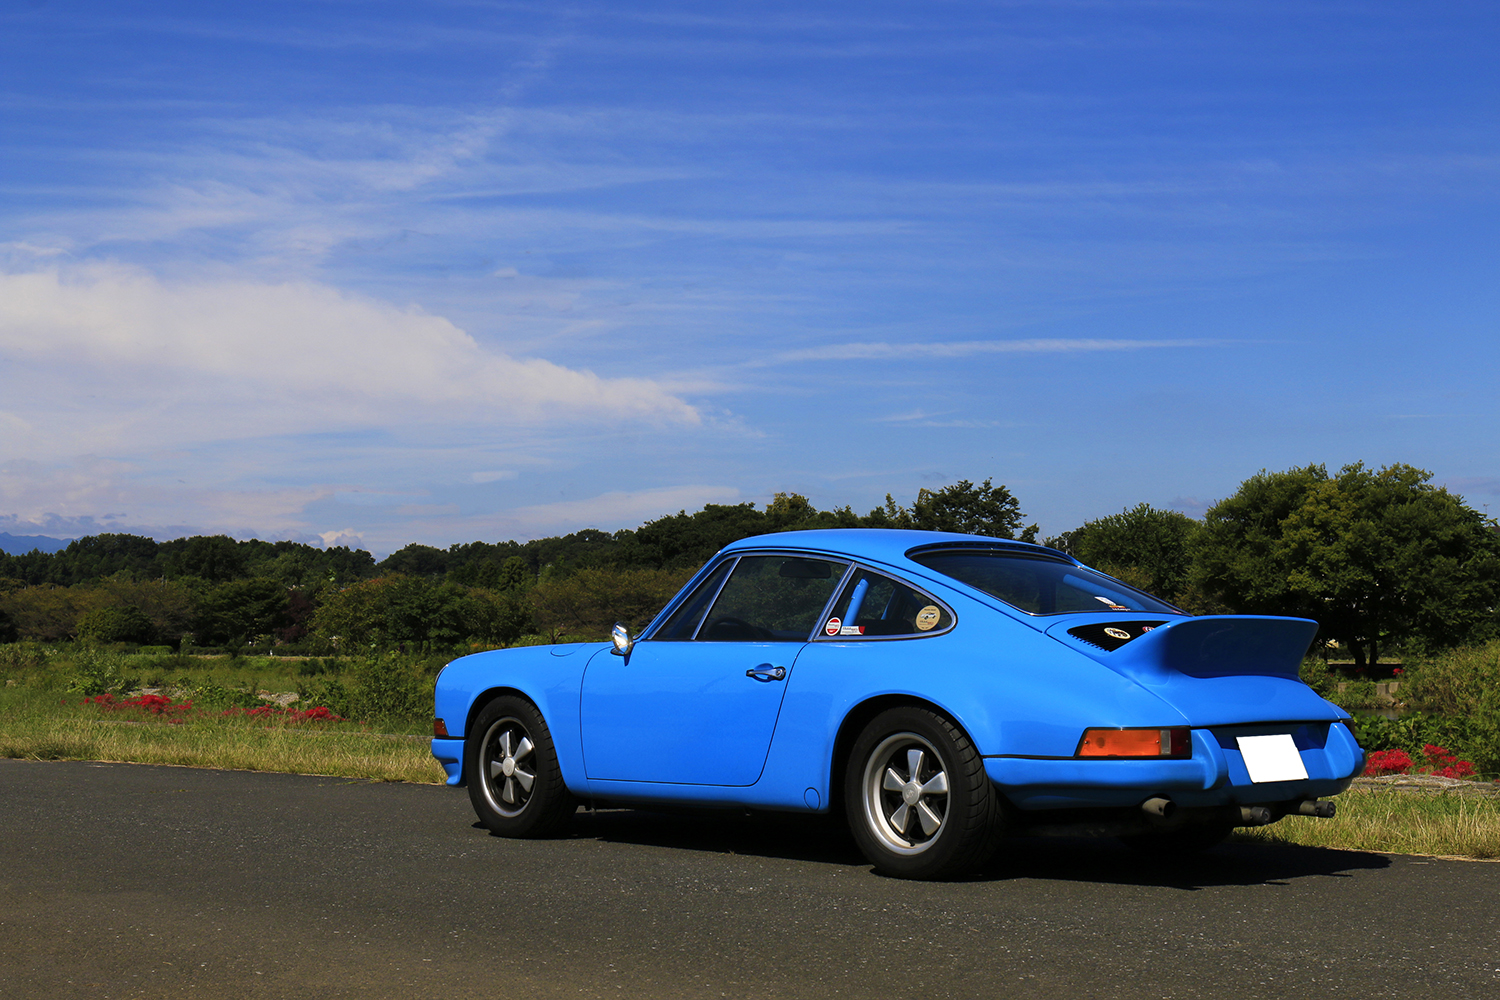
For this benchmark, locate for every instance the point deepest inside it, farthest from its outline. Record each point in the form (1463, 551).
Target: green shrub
(99, 672)
(18, 656)
(391, 687)
(327, 692)
(314, 667)
(1459, 682)
(1316, 675)
(1474, 739)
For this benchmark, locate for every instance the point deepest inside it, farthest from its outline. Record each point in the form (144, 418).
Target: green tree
(170, 605)
(985, 509)
(416, 560)
(236, 612)
(47, 613)
(1149, 548)
(396, 610)
(1374, 556)
(586, 604)
(116, 624)
(216, 558)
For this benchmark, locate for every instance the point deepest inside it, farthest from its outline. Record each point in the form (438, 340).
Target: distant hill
(19, 545)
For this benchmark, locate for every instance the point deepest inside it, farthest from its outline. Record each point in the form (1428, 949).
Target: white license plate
(1272, 758)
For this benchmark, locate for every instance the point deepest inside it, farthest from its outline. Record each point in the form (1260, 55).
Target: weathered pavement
(123, 880)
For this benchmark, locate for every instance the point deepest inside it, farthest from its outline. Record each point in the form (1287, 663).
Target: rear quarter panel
(1014, 690)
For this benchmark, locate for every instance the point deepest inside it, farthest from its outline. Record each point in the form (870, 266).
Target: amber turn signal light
(1174, 742)
(439, 727)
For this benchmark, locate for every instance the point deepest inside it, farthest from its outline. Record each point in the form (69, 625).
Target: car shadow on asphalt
(823, 840)
(1233, 863)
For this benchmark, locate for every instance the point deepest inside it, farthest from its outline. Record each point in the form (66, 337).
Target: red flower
(1388, 762)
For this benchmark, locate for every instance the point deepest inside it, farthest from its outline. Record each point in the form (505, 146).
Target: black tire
(1186, 840)
(514, 781)
(918, 801)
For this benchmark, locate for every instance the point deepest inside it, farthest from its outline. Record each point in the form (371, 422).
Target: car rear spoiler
(1210, 646)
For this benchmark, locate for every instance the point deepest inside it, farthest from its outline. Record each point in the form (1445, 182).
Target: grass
(1385, 820)
(40, 720)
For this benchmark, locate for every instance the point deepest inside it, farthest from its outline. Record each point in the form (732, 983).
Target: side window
(873, 605)
(772, 599)
(684, 621)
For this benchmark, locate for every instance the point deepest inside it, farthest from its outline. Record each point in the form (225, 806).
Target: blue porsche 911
(940, 690)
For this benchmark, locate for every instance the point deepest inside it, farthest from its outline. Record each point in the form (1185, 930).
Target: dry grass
(1458, 821)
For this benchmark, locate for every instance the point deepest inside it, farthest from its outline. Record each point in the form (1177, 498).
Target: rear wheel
(918, 801)
(515, 783)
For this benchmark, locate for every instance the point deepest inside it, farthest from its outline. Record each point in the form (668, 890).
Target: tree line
(1378, 557)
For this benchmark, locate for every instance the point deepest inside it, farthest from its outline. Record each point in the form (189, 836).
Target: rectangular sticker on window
(1272, 758)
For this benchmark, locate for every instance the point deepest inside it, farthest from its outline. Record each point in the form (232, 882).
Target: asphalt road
(121, 880)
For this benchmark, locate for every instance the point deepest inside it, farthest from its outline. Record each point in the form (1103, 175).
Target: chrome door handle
(766, 672)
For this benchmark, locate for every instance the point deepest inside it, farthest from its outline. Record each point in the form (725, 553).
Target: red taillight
(439, 728)
(1174, 742)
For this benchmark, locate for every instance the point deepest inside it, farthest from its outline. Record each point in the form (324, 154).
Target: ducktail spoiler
(1152, 651)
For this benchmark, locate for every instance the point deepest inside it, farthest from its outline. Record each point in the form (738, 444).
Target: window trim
(819, 635)
(734, 558)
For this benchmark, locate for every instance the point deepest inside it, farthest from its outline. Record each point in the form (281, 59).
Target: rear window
(1039, 585)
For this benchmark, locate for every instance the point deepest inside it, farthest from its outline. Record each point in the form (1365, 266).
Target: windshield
(1039, 585)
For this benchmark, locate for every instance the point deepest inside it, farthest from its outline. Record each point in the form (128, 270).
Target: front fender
(550, 677)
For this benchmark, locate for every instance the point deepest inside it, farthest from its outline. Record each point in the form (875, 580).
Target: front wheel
(918, 801)
(515, 783)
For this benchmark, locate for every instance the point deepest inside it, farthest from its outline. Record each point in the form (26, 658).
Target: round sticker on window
(928, 617)
(1117, 633)
(832, 628)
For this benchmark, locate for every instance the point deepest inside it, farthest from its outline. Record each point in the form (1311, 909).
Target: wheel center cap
(508, 766)
(911, 793)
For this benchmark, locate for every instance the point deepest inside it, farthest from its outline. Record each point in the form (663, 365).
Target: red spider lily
(1435, 760)
(1388, 762)
(154, 704)
(271, 710)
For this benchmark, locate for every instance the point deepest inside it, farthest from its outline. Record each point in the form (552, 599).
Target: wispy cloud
(969, 348)
(921, 418)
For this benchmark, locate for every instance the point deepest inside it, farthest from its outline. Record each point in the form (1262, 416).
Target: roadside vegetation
(359, 718)
(209, 651)
(1452, 822)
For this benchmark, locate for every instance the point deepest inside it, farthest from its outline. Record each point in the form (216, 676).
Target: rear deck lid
(1217, 668)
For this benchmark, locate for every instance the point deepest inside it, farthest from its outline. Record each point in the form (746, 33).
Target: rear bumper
(1214, 776)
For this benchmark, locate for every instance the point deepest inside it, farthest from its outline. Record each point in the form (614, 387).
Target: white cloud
(347, 536)
(104, 358)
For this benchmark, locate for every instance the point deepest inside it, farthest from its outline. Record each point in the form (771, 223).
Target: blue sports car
(940, 690)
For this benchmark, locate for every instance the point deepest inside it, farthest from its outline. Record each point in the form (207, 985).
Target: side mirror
(620, 636)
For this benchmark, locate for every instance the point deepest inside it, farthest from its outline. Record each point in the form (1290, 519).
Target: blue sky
(381, 273)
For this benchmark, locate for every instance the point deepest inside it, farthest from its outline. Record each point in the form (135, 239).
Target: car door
(696, 702)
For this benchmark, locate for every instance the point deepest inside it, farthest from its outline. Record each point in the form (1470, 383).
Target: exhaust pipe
(1312, 807)
(1159, 807)
(1255, 816)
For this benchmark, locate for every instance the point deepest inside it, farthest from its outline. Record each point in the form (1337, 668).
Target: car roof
(887, 545)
